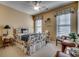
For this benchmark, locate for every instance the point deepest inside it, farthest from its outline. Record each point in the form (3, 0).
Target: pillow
(61, 54)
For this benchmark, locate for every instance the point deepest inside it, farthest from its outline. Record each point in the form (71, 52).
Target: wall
(78, 18)
(51, 14)
(14, 18)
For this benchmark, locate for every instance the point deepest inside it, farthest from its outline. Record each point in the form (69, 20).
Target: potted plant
(73, 36)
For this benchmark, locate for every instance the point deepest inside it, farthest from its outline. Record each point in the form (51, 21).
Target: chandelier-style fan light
(37, 5)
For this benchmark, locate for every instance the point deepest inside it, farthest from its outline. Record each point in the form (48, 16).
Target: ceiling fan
(38, 5)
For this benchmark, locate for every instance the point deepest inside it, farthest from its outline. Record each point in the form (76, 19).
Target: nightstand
(7, 40)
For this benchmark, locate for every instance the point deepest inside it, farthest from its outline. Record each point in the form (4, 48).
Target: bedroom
(31, 28)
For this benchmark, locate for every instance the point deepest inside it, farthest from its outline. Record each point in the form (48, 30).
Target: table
(67, 43)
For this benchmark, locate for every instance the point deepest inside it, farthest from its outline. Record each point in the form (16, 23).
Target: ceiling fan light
(36, 8)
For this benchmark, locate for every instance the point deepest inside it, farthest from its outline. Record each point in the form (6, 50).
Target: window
(63, 24)
(38, 26)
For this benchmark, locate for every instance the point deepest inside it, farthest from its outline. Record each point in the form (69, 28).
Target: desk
(66, 43)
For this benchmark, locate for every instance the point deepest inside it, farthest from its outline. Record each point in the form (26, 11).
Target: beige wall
(51, 26)
(78, 18)
(14, 18)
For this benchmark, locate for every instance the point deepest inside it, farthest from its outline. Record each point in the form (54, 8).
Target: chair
(60, 39)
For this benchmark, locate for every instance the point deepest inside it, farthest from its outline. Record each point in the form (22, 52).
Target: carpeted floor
(47, 51)
(11, 51)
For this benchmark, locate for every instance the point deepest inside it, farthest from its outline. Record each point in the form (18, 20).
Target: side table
(7, 40)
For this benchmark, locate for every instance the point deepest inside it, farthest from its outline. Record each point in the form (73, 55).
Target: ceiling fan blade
(43, 8)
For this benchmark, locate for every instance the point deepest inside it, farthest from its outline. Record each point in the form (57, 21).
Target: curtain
(64, 11)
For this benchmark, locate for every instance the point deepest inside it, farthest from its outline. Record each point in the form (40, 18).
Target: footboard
(36, 42)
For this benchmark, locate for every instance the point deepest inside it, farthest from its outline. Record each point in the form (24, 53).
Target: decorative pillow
(75, 51)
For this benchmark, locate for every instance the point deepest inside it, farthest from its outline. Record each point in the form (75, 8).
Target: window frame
(57, 26)
(38, 26)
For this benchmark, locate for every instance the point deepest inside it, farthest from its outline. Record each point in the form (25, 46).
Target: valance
(38, 17)
(64, 11)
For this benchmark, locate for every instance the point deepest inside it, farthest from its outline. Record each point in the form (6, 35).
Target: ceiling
(27, 6)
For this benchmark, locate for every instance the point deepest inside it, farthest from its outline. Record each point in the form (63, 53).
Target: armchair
(60, 39)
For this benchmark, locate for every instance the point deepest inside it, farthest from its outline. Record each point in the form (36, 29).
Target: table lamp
(7, 27)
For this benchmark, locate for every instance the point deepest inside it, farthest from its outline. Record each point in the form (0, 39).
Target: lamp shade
(7, 27)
